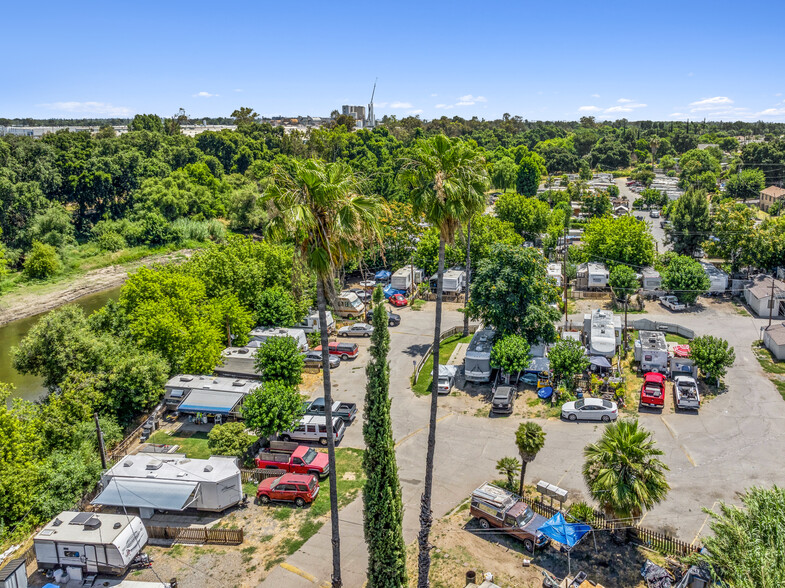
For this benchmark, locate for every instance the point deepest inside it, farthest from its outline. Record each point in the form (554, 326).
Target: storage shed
(95, 542)
(14, 574)
(592, 276)
(155, 482)
(774, 340)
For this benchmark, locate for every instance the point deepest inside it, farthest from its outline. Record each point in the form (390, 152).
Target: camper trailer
(718, 279)
(592, 276)
(310, 324)
(477, 363)
(94, 542)
(651, 350)
(262, 334)
(153, 482)
(651, 281)
(348, 305)
(604, 330)
(453, 281)
(406, 278)
(554, 271)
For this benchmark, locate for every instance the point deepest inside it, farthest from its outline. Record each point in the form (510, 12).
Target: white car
(655, 214)
(356, 330)
(590, 409)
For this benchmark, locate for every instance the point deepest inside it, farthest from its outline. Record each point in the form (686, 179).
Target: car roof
(296, 478)
(593, 401)
(654, 377)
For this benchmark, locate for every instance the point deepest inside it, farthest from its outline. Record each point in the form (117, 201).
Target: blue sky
(554, 60)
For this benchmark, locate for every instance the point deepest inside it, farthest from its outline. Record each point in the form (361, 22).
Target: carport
(148, 495)
(210, 402)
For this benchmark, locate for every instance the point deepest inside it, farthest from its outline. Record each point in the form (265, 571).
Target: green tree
(530, 439)
(653, 197)
(624, 473)
(509, 467)
(383, 512)
(733, 234)
(276, 307)
(244, 116)
(597, 205)
(529, 216)
(667, 162)
(272, 408)
(585, 170)
(622, 240)
(747, 184)
(41, 262)
(147, 122)
(744, 548)
(530, 173)
(511, 354)
(229, 439)
(568, 358)
(52, 226)
(690, 222)
(319, 206)
(624, 281)
(511, 292)
(686, 278)
(280, 359)
(447, 182)
(694, 163)
(504, 173)
(712, 355)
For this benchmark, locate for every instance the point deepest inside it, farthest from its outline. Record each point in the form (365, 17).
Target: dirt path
(23, 303)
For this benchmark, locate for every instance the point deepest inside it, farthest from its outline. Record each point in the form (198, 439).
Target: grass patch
(272, 563)
(417, 304)
(265, 538)
(193, 445)
(425, 383)
(483, 412)
(283, 513)
(678, 339)
(773, 367)
(248, 553)
(250, 489)
(176, 550)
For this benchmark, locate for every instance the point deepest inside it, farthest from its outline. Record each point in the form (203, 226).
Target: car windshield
(276, 482)
(309, 456)
(312, 483)
(607, 404)
(579, 403)
(525, 517)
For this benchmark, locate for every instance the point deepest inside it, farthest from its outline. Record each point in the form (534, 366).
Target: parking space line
(684, 449)
(413, 433)
(706, 520)
(290, 568)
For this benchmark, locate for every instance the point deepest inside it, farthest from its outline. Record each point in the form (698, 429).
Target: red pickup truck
(302, 460)
(653, 390)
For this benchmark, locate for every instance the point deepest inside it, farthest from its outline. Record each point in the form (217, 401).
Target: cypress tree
(383, 514)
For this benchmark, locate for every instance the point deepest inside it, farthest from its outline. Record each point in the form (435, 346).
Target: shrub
(42, 261)
(229, 439)
(280, 359)
(190, 230)
(581, 511)
(111, 241)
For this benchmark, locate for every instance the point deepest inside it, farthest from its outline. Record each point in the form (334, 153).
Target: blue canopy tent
(382, 276)
(568, 534)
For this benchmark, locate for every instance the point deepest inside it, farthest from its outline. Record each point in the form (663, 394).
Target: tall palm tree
(318, 206)
(530, 439)
(623, 471)
(447, 180)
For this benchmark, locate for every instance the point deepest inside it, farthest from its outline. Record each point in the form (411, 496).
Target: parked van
(343, 350)
(314, 428)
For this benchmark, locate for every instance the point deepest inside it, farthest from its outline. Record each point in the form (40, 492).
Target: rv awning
(160, 494)
(600, 361)
(210, 401)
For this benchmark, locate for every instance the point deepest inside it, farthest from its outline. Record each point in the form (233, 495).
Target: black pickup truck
(347, 411)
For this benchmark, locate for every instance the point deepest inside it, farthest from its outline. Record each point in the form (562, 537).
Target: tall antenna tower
(371, 122)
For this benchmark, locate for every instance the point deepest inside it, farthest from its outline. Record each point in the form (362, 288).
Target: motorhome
(94, 542)
(604, 329)
(348, 305)
(262, 334)
(477, 363)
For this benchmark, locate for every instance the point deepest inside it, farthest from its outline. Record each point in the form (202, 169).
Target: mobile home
(651, 281)
(262, 334)
(604, 329)
(95, 542)
(238, 362)
(477, 363)
(717, 277)
(592, 276)
(651, 351)
(153, 482)
(348, 305)
(406, 278)
(191, 394)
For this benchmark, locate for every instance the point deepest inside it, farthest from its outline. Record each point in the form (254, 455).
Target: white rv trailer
(262, 334)
(717, 277)
(477, 363)
(604, 332)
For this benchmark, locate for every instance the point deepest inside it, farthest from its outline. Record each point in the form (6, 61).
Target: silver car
(356, 330)
(590, 409)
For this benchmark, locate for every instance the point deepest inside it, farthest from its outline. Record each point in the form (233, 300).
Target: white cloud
(595, 95)
(401, 105)
(588, 108)
(444, 106)
(472, 99)
(434, 95)
(204, 95)
(89, 107)
(416, 111)
(238, 90)
(618, 109)
(624, 100)
(465, 103)
(778, 94)
(714, 103)
(677, 114)
(771, 112)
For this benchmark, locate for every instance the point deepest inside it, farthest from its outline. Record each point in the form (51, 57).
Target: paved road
(654, 223)
(732, 444)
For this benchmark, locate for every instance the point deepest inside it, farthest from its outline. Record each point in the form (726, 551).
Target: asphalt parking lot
(733, 443)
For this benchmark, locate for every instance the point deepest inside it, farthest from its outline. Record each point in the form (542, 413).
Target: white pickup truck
(685, 389)
(672, 303)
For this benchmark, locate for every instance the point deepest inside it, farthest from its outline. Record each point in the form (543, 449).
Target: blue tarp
(568, 534)
(382, 275)
(545, 392)
(390, 291)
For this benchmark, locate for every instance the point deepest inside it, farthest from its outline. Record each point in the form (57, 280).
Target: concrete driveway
(654, 223)
(734, 443)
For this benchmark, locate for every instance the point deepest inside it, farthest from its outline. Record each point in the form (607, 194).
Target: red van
(301, 489)
(343, 350)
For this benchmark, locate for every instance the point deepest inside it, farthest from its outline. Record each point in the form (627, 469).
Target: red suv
(343, 350)
(301, 489)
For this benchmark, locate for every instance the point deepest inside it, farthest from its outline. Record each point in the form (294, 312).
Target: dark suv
(393, 320)
(503, 398)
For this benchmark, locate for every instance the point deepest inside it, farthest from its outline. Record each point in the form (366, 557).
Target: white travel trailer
(604, 330)
(717, 277)
(554, 271)
(592, 276)
(453, 281)
(406, 278)
(310, 324)
(651, 350)
(262, 334)
(94, 542)
(477, 363)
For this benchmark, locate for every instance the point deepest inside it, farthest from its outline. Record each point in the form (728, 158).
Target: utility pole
(564, 275)
(228, 333)
(468, 279)
(100, 441)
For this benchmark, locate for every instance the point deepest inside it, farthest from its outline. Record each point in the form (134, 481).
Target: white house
(758, 296)
(774, 340)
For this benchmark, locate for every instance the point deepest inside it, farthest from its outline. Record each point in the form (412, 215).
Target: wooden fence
(190, 535)
(257, 476)
(640, 535)
(444, 335)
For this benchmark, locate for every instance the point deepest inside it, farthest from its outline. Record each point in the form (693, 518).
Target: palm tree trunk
(468, 278)
(328, 409)
(426, 518)
(524, 463)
